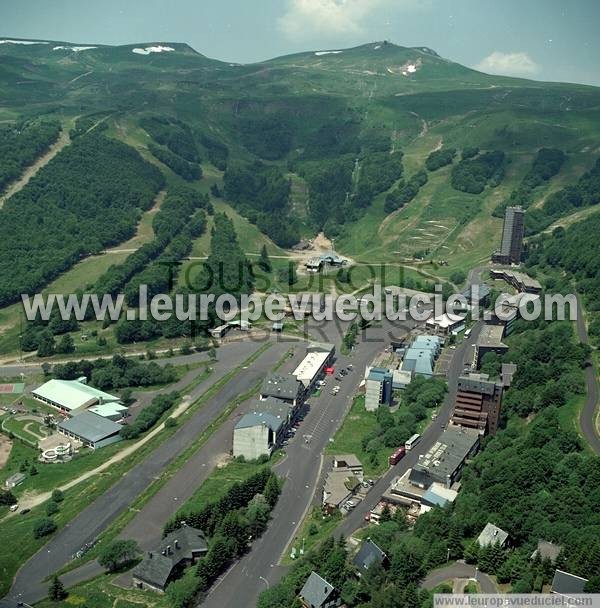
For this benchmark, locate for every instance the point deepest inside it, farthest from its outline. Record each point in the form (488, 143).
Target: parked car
(25, 511)
(13, 508)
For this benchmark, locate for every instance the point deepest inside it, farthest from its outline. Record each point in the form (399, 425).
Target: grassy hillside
(328, 120)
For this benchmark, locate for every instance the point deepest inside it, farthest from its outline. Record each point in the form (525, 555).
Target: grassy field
(102, 593)
(357, 424)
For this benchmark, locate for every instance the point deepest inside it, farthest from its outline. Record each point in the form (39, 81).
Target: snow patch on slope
(152, 49)
(21, 42)
(76, 49)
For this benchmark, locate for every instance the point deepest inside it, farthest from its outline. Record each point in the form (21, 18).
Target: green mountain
(352, 129)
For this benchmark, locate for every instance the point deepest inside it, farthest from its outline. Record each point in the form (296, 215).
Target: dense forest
(174, 134)
(218, 152)
(261, 193)
(116, 373)
(329, 184)
(570, 258)
(89, 197)
(521, 482)
(405, 191)
(475, 173)
(22, 144)
(377, 172)
(585, 193)
(546, 164)
(440, 158)
(227, 270)
(189, 171)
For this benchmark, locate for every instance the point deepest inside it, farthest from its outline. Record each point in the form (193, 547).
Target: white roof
(310, 366)
(72, 394)
(446, 320)
(107, 410)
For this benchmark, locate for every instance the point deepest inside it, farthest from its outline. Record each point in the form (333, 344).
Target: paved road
(240, 587)
(589, 412)
(98, 515)
(459, 570)
(356, 519)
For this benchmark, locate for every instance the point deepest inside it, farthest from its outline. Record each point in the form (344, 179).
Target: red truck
(397, 456)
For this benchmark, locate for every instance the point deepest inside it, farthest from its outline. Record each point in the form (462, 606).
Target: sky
(541, 39)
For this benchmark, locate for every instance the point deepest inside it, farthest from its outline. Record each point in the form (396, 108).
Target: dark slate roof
(181, 544)
(565, 583)
(282, 386)
(90, 427)
(368, 554)
(316, 590)
(155, 570)
(419, 476)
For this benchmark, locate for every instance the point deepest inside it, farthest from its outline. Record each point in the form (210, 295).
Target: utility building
(511, 247)
(262, 430)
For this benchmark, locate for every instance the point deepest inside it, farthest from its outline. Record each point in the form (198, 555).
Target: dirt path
(32, 500)
(5, 448)
(62, 141)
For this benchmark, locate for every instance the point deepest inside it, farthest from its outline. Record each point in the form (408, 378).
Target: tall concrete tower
(511, 246)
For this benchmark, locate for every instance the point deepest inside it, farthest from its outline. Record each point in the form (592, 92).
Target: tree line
(261, 193)
(89, 197)
(116, 373)
(474, 174)
(546, 164)
(567, 258)
(149, 416)
(585, 193)
(440, 158)
(189, 171)
(405, 192)
(21, 144)
(232, 522)
(173, 134)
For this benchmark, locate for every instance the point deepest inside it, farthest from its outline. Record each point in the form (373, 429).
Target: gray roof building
(444, 461)
(564, 583)
(282, 386)
(92, 430)
(318, 593)
(491, 535)
(177, 550)
(368, 554)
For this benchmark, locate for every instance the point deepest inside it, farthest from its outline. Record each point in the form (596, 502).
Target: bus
(412, 442)
(397, 456)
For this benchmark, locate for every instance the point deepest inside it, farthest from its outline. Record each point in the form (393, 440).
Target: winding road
(589, 412)
(459, 570)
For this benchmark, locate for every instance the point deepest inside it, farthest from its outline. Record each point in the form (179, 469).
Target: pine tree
(46, 347)
(56, 592)
(264, 262)
(272, 490)
(454, 542)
